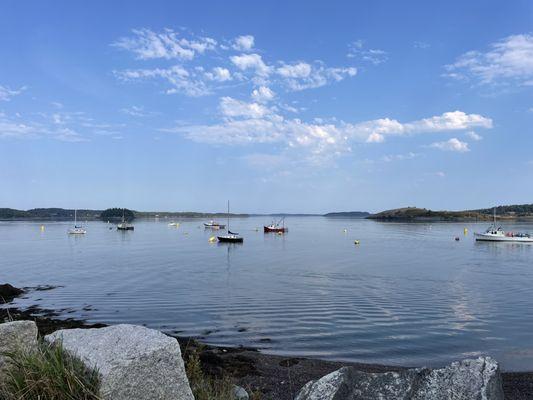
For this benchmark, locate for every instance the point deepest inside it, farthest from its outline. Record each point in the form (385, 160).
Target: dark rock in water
(477, 379)
(8, 293)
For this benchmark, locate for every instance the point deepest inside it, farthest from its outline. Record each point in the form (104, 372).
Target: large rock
(477, 379)
(134, 362)
(17, 335)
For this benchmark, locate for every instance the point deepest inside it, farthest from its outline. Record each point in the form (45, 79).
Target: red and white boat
(275, 227)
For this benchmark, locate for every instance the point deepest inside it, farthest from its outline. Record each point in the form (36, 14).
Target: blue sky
(302, 107)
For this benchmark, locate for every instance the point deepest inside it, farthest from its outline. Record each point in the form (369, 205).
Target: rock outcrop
(8, 293)
(13, 336)
(134, 362)
(477, 379)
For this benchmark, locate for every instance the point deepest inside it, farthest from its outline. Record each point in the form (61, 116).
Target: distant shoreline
(520, 212)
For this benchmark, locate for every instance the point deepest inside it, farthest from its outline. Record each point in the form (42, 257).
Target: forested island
(414, 214)
(110, 214)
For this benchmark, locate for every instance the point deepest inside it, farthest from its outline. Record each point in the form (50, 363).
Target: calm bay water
(408, 294)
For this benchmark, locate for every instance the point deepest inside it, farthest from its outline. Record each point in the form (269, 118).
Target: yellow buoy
(466, 231)
(212, 239)
(356, 242)
(42, 228)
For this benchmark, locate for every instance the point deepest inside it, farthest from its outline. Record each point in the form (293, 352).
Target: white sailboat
(78, 229)
(493, 234)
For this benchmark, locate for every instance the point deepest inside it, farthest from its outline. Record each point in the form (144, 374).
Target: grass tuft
(47, 373)
(205, 387)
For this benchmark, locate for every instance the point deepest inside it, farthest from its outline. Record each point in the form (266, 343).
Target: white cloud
(6, 93)
(136, 111)
(449, 121)
(252, 123)
(304, 76)
(147, 44)
(421, 45)
(251, 61)
(244, 43)
(181, 80)
(219, 74)
(508, 61)
(235, 108)
(453, 144)
(399, 157)
(357, 50)
(474, 136)
(262, 94)
(299, 70)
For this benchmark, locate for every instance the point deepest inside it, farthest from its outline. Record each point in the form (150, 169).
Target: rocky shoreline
(275, 377)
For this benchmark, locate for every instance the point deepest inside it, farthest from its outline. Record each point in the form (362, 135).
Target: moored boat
(214, 225)
(493, 234)
(125, 226)
(230, 237)
(78, 229)
(275, 227)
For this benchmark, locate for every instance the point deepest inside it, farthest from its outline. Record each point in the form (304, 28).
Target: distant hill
(53, 214)
(347, 214)
(112, 214)
(422, 214)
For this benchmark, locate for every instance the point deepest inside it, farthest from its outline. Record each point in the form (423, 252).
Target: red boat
(276, 227)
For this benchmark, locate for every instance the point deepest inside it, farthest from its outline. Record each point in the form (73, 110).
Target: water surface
(409, 294)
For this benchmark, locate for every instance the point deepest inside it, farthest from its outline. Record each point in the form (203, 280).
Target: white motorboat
(493, 234)
(78, 229)
(214, 225)
(124, 225)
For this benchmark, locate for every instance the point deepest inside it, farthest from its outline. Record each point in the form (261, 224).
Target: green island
(415, 214)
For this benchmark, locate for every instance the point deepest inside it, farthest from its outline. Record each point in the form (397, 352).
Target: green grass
(48, 373)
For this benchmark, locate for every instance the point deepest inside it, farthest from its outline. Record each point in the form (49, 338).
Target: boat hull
(226, 239)
(481, 237)
(125, 228)
(77, 231)
(268, 229)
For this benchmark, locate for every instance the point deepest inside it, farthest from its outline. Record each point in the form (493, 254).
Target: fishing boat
(276, 227)
(493, 234)
(214, 225)
(78, 229)
(230, 237)
(125, 226)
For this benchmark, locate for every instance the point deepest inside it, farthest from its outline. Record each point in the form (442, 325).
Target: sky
(303, 106)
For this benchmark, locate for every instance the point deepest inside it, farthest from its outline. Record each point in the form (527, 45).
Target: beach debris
(133, 362)
(468, 379)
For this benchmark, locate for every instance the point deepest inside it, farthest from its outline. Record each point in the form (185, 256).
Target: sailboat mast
(228, 216)
(494, 211)
(75, 216)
